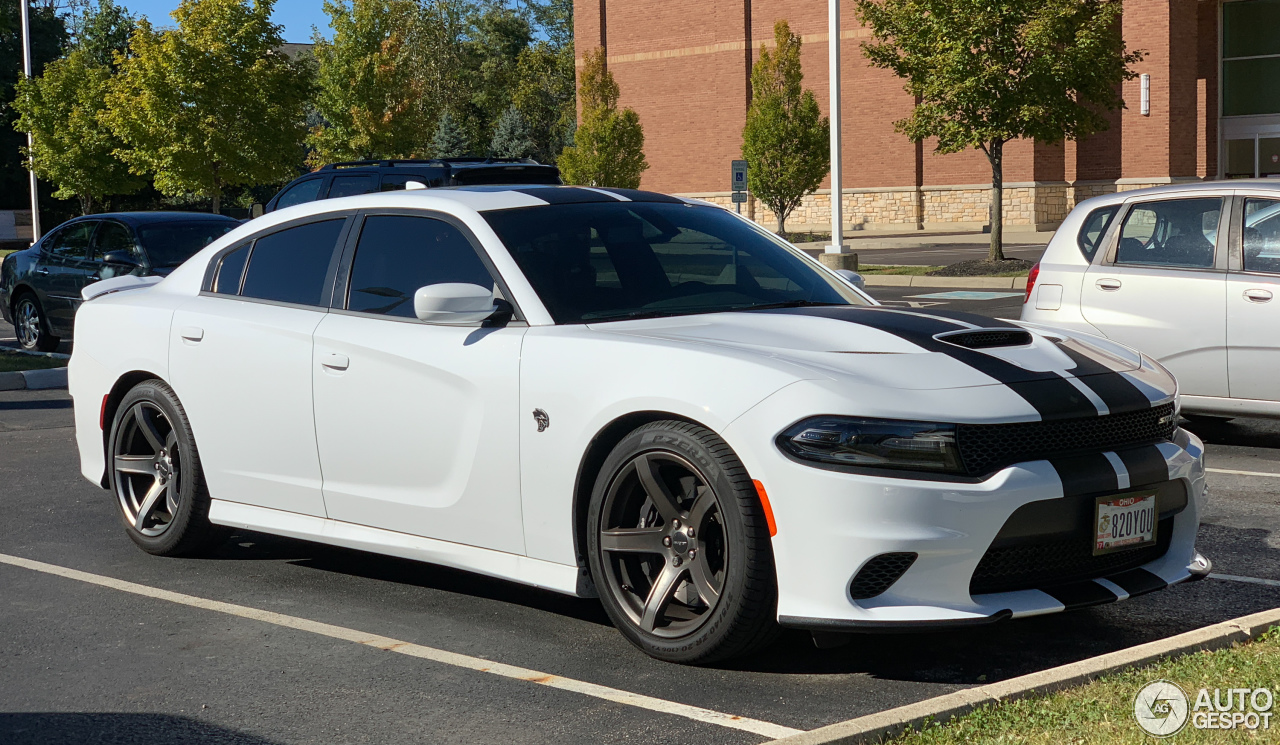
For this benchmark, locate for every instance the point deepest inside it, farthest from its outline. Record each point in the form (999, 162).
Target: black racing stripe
(1082, 594)
(1085, 474)
(1146, 465)
(637, 195)
(1049, 393)
(564, 194)
(1116, 391)
(1138, 582)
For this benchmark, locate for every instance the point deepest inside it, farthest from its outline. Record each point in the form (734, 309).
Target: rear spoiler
(117, 284)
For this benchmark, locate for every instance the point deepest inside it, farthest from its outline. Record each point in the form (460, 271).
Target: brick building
(1214, 68)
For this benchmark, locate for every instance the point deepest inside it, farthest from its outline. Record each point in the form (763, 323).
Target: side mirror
(852, 278)
(121, 259)
(453, 303)
(255, 211)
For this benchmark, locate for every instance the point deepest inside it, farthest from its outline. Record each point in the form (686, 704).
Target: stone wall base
(1031, 206)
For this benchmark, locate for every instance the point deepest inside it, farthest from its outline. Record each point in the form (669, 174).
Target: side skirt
(536, 572)
(1230, 406)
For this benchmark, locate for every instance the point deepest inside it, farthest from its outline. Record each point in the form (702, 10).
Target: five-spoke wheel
(156, 475)
(679, 547)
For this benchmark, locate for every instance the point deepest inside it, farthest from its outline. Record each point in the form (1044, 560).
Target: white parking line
(1249, 580)
(1243, 473)
(765, 729)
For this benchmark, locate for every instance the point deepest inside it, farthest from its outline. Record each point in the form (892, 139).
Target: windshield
(168, 244)
(617, 260)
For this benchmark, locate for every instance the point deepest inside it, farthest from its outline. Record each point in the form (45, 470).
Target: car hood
(1057, 371)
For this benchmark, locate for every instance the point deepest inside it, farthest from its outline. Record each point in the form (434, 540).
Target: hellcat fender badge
(542, 419)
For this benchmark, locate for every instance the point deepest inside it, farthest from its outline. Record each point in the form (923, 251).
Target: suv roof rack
(391, 163)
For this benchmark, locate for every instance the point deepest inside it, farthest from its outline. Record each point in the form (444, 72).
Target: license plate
(1125, 521)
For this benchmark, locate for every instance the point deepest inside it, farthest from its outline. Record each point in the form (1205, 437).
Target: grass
(6, 251)
(914, 271)
(1101, 712)
(13, 361)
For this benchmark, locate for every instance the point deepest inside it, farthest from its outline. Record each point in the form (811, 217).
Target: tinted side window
(1174, 232)
(396, 181)
(290, 266)
(397, 254)
(1262, 235)
(113, 236)
(307, 191)
(72, 242)
(347, 186)
(230, 270)
(1095, 226)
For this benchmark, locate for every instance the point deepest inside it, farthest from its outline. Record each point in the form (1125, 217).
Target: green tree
(499, 35)
(986, 73)
(211, 104)
(450, 140)
(48, 39)
(608, 147)
(367, 94)
(104, 31)
(72, 147)
(785, 140)
(511, 137)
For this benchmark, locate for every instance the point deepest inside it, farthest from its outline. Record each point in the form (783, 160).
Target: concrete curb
(34, 380)
(972, 283)
(885, 724)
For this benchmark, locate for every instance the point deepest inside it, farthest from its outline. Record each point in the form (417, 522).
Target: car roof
(140, 218)
(1213, 187)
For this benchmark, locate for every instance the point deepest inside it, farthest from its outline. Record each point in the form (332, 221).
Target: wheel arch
(122, 386)
(593, 459)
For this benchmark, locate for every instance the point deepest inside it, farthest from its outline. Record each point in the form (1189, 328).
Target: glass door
(1240, 158)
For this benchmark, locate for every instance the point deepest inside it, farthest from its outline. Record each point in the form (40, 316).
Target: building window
(1250, 57)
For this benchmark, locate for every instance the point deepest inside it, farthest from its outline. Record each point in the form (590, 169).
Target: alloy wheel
(663, 544)
(147, 466)
(27, 323)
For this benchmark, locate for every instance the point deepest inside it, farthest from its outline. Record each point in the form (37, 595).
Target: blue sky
(297, 16)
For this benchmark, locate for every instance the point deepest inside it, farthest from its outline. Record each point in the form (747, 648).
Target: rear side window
(397, 181)
(1262, 235)
(1172, 232)
(347, 186)
(230, 270)
(290, 266)
(1095, 226)
(300, 193)
(397, 254)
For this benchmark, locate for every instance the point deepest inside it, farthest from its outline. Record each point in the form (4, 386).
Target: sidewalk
(871, 240)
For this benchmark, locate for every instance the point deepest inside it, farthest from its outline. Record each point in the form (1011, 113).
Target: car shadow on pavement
(1243, 432)
(41, 728)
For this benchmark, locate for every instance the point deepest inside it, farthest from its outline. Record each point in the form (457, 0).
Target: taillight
(1031, 282)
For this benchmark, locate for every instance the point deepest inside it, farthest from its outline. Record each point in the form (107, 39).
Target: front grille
(880, 573)
(1055, 562)
(987, 447)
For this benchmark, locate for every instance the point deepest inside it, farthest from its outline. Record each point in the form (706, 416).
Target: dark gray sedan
(40, 286)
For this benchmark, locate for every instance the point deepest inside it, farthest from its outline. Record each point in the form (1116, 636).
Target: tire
(687, 577)
(32, 326)
(155, 474)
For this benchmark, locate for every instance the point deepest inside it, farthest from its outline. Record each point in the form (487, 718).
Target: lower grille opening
(1055, 562)
(880, 573)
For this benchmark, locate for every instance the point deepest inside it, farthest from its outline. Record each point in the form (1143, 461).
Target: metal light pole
(26, 72)
(837, 195)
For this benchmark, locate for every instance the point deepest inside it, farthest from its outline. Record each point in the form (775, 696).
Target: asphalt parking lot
(84, 662)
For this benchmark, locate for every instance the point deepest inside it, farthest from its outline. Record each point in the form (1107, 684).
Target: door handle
(1108, 284)
(1258, 296)
(335, 361)
(42, 272)
(192, 333)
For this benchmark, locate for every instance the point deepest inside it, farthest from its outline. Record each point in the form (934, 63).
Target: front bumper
(831, 524)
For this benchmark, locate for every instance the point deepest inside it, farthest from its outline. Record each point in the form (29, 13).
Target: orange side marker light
(768, 508)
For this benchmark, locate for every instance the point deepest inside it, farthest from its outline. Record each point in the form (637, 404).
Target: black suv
(365, 176)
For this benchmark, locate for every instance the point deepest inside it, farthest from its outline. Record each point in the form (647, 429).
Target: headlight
(874, 443)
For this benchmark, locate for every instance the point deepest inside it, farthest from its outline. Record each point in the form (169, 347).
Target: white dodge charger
(624, 394)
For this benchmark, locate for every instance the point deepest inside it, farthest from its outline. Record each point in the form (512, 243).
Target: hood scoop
(986, 338)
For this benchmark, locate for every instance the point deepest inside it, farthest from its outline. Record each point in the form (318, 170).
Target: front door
(240, 361)
(1253, 304)
(1161, 289)
(70, 269)
(416, 422)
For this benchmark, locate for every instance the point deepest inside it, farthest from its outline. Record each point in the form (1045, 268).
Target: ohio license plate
(1127, 521)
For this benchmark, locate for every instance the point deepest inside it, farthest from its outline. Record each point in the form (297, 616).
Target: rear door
(240, 360)
(1161, 288)
(1253, 300)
